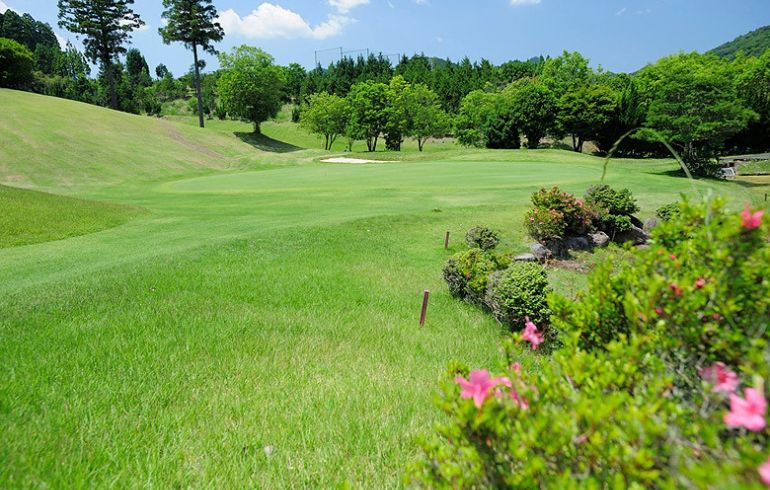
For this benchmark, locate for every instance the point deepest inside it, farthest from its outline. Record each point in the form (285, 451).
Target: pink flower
(749, 412)
(764, 472)
(724, 380)
(478, 387)
(659, 311)
(700, 283)
(517, 399)
(676, 290)
(531, 334)
(515, 367)
(751, 221)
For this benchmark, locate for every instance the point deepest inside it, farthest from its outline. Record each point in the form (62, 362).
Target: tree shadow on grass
(265, 143)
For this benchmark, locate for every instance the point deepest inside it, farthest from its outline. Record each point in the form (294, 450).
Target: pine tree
(192, 22)
(106, 26)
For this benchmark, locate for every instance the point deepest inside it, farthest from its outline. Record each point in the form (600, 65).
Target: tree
(105, 25)
(193, 23)
(161, 71)
(425, 118)
(327, 115)
(692, 103)
(486, 119)
(397, 124)
(251, 85)
(754, 90)
(583, 112)
(16, 64)
(534, 108)
(368, 103)
(566, 73)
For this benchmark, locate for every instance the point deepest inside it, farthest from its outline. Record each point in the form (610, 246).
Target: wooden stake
(424, 311)
(446, 238)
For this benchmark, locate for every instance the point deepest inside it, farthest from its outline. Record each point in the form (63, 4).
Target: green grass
(264, 300)
(34, 217)
(755, 168)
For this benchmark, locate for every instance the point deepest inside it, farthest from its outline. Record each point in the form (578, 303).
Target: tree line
(703, 105)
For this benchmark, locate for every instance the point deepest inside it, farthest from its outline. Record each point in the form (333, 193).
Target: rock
(540, 252)
(636, 222)
(650, 224)
(636, 235)
(599, 239)
(557, 247)
(579, 243)
(525, 258)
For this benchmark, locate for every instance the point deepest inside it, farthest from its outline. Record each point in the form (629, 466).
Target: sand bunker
(351, 160)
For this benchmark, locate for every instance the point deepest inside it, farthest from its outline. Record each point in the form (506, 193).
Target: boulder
(540, 252)
(636, 222)
(650, 224)
(599, 239)
(557, 247)
(525, 258)
(635, 235)
(579, 243)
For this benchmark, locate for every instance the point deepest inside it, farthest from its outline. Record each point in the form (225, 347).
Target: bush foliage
(518, 292)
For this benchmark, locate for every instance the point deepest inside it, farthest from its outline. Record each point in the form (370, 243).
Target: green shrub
(517, 292)
(482, 237)
(613, 209)
(542, 223)
(668, 211)
(467, 273)
(611, 201)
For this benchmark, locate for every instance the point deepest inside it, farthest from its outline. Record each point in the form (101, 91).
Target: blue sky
(620, 35)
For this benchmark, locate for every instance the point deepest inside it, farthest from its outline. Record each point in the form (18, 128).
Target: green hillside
(65, 146)
(752, 44)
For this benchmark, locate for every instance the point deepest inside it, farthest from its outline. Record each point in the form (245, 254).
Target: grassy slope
(34, 217)
(249, 309)
(753, 43)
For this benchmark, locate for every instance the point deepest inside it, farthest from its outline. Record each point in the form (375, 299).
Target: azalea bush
(667, 211)
(482, 237)
(660, 379)
(543, 224)
(576, 215)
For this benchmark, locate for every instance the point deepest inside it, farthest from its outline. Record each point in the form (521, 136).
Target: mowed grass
(257, 326)
(33, 217)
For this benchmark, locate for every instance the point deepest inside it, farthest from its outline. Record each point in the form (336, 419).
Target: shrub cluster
(513, 292)
(613, 209)
(482, 237)
(661, 379)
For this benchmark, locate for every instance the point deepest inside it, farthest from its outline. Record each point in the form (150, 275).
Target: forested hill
(752, 44)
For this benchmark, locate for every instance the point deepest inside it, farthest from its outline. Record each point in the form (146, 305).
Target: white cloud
(270, 21)
(518, 3)
(143, 28)
(4, 7)
(621, 11)
(62, 40)
(345, 6)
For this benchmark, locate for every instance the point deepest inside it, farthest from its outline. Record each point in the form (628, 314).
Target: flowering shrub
(467, 273)
(575, 214)
(542, 223)
(482, 237)
(519, 291)
(660, 380)
(705, 280)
